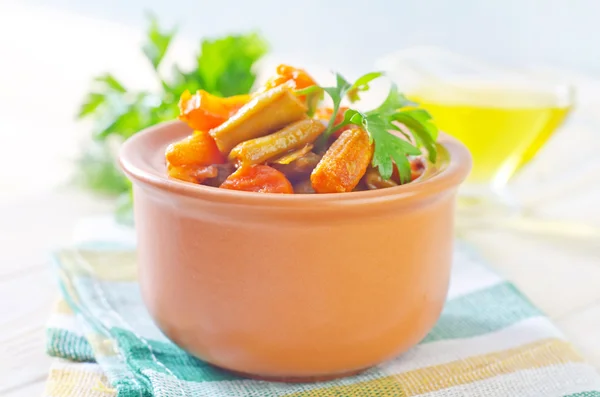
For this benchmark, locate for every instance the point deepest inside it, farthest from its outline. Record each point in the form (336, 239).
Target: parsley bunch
(396, 109)
(223, 67)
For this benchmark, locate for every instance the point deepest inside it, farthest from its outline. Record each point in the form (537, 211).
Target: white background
(342, 33)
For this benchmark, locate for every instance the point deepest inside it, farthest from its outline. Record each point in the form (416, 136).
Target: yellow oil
(503, 126)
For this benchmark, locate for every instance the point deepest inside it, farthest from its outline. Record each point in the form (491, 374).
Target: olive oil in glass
(503, 116)
(503, 126)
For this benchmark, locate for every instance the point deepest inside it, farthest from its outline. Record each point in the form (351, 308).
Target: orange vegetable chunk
(258, 178)
(286, 73)
(297, 79)
(199, 149)
(193, 173)
(325, 114)
(344, 163)
(203, 111)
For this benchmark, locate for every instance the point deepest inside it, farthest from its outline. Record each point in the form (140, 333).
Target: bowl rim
(133, 160)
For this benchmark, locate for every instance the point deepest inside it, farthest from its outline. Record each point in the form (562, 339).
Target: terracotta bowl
(292, 287)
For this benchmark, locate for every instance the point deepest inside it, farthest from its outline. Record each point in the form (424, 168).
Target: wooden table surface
(559, 275)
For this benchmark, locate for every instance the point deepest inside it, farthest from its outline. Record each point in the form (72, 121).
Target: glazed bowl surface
(292, 287)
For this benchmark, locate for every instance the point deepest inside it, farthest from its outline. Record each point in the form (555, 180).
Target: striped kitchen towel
(489, 341)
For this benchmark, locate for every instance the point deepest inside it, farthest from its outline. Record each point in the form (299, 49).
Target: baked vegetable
(197, 149)
(290, 138)
(286, 74)
(278, 141)
(258, 178)
(344, 163)
(265, 113)
(203, 111)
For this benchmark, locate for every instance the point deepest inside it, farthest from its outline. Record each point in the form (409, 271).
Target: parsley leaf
(394, 101)
(225, 64)
(312, 90)
(105, 86)
(90, 104)
(362, 84)
(337, 93)
(110, 83)
(417, 120)
(98, 170)
(158, 42)
(351, 116)
(314, 94)
(223, 67)
(420, 123)
(389, 147)
(342, 89)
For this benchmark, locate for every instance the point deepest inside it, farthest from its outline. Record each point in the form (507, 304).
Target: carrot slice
(344, 163)
(199, 149)
(286, 73)
(258, 178)
(203, 111)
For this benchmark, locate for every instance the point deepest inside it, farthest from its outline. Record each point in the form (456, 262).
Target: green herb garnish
(223, 67)
(395, 109)
(361, 84)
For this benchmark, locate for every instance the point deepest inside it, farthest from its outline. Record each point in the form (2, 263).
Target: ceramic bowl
(292, 287)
